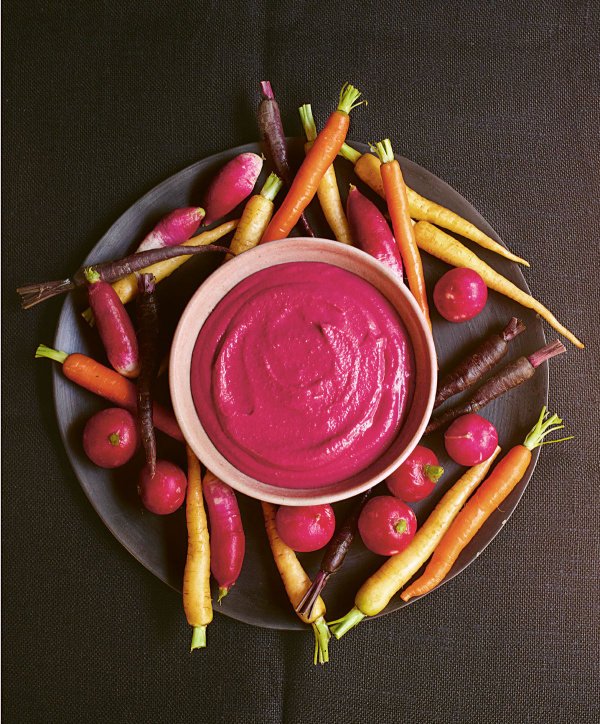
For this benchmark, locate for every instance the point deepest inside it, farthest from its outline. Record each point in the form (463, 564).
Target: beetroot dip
(302, 375)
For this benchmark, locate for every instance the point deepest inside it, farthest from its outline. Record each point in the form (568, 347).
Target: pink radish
(305, 528)
(227, 539)
(460, 294)
(470, 440)
(174, 228)
(415, 479)
(371, 231)
(111, 437)
(232, 184)
(163, 492)
(386, 525)
(114, 325)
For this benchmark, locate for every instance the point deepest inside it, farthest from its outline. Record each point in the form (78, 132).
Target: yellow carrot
(367, 168)
(255, 217)
(196, 576)
(377, 591)
(328, 192)
(126, 287)
(297, 583)
(448, 249)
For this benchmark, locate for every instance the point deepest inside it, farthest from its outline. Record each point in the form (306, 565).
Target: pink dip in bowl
(302, 375)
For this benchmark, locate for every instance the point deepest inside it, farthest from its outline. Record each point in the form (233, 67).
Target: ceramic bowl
(280, 252)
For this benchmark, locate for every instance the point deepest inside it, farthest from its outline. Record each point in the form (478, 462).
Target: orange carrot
(317, 161)
(492, 492)
(368, 169)
(395, 192)
(109, 384)
(328, 192)
(196, 575)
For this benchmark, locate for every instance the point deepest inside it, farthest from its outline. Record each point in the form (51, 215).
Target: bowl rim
(206, 298)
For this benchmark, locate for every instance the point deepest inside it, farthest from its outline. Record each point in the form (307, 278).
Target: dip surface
(302, 375)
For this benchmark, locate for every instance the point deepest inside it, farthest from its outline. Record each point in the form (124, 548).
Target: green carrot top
(542, 428)
(349, 98)
(384, 151)
(271, 187)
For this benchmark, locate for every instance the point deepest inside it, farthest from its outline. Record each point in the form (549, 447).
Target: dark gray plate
(160, 542)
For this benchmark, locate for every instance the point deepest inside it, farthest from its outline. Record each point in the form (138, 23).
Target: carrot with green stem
(271, 128)
(255, 217)
(297, 583)
(196, 575)
(107, 383)
(313, 168)
(368, 169)
(395, 192)
(328, 192)
(377, 591)
(492, 492)
(445, 247)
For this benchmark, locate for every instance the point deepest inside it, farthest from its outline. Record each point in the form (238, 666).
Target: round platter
(159, 542)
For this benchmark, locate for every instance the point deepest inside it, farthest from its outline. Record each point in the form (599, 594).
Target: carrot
(148, 323)
(271, 128)
(367, 168)
(328, 192)
(318, 160)
(196, 575)
(333, 557)
(482, 359)
(445, 247)
(255, 217)
(377, 591)
(504, 380)
(127, 288)
(492, 492)
(395, 192)
(107, 383)
(297, 583)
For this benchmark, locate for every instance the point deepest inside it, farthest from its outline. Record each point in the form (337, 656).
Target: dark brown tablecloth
(102, 101)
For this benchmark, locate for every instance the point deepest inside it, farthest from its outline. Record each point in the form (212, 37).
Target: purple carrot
(271, 129)
(506, 379)
(174, 228)
(109, 271)
(371, 231)
(114, 325)
(481, 360)
(232, 184)
(332, 558)
(148, 329)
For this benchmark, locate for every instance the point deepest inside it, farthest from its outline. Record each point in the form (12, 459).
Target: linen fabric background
(101, 102)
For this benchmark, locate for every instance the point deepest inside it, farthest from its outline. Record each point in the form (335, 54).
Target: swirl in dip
(302, 375)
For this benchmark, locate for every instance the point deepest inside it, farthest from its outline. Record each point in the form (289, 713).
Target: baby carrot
(127, 288)
(395, 192)
(255, 217)
(196, 575)
(328, 192)
(445, 247)
(375, 594)
(368, 169)
(109, 384)
(297, 583)
(492, 492)
(318, 160)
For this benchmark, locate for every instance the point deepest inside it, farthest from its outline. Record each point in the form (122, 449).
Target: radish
(164, 492)
(460, 294)
(371, 231)
(174, 228)
(227, 539)
(232, 184)
(470, 440)
(114, 325)
(305, 528)
(111, 437)
(415, 479)
(386, 525)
